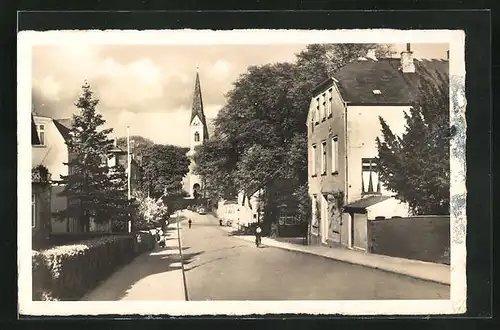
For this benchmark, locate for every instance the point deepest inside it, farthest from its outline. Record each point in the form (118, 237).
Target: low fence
(425, 238)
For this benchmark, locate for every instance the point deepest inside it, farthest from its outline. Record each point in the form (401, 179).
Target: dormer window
(196, 137)
(41, 133)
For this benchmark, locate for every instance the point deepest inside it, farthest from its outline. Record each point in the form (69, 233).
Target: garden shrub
(68, 272)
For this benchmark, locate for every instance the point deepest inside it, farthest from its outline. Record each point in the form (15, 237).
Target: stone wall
(425, 238)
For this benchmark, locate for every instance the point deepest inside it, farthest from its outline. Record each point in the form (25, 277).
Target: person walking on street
(258, 232)
(189, 223)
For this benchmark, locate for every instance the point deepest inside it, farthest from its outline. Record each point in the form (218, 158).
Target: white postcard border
(456, 303)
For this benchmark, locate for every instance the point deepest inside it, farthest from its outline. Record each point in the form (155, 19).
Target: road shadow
(156, 262)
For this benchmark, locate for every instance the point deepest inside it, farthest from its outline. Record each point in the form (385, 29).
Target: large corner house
(50, 150)
(343, 123)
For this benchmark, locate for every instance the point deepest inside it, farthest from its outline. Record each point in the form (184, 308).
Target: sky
(150, 87)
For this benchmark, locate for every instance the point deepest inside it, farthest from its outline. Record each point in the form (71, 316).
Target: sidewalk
(428, 271)
(155, 275)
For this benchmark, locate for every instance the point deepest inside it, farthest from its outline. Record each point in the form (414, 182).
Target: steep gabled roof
(197, 109)
(64, 127)
(358, 79)
(35, 139)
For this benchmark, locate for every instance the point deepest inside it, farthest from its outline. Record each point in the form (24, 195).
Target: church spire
(197, 109)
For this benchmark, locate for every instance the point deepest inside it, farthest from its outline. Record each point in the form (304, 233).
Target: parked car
(202, 210)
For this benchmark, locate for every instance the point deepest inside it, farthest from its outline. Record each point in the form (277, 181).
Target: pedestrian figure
(258, 231)
(220, 222)
(189, 223)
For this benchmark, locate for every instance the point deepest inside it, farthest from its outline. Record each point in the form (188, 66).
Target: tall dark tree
(416, 165)
(163, 168)
(94, 190)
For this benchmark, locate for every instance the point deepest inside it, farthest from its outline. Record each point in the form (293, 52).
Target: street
(220, 267)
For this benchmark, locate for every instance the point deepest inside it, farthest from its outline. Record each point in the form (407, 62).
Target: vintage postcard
(244, 172)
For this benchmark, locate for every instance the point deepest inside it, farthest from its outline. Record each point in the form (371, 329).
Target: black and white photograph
(193, 172)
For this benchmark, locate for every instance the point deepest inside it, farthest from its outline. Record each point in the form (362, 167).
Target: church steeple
(197, 108)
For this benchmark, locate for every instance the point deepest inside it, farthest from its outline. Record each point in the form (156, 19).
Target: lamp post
(238, 214)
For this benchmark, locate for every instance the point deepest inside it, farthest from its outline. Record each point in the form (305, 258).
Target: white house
(343, 123)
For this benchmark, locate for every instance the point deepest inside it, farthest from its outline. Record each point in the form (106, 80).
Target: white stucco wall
(391, 207)
(52, 155)
(191, 179)
(363, 126)
(55, 151)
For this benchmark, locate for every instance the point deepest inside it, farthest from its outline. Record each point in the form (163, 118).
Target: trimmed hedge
(68, 272)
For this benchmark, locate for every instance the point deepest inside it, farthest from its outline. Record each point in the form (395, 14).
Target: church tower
(198, 132)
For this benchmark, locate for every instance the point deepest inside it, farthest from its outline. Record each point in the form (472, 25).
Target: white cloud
(51, 88)
(221, 69)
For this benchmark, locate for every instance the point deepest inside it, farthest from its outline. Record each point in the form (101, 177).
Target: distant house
(241, 210)
(343, 123)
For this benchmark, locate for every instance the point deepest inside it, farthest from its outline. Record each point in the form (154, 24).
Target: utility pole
(128, 174)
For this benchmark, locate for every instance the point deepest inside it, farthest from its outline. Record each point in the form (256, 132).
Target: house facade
(240, 211)
(40, 198)
(52, 152)
(343, 124)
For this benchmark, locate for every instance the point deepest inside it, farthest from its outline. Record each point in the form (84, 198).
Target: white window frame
(329, 102)
(318, 111)
(313, 159)
(373, 170)
(33, 210)
(335, 154)
(323, 105)
(196, 136)
(40, 129)
(324, 161)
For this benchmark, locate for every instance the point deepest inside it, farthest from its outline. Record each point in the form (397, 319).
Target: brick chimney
(407, 65)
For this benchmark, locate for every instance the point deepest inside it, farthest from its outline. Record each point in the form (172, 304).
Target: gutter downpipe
(346, 194)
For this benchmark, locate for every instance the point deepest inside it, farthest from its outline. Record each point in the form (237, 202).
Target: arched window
(196, 137)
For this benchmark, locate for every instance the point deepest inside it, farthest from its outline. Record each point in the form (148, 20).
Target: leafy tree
(138, 143)
(94, 190)
(416, 164)
(150, 212)
(164, 167)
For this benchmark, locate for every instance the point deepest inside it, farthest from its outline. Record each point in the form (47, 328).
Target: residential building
(343, 123)
(198, 132)
(52, 152)
(242, 210)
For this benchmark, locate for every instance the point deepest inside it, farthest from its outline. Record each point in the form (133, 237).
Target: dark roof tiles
(358, 79)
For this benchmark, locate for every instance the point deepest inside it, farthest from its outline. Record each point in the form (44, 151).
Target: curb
(288, 248)
(179, 239)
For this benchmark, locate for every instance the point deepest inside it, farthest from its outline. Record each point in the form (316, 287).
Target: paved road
(220, 267)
